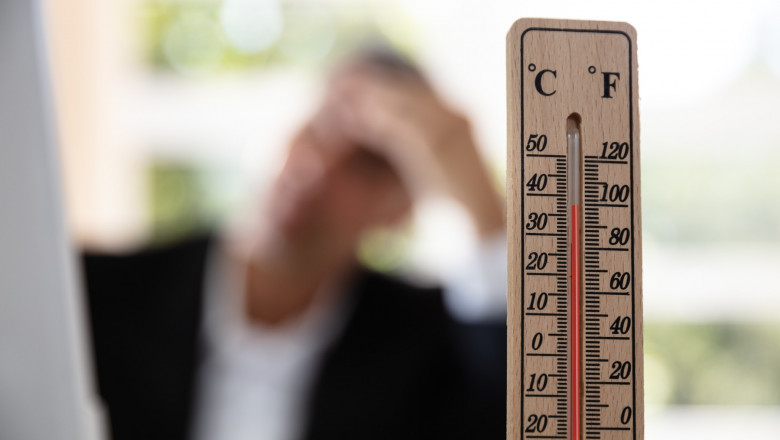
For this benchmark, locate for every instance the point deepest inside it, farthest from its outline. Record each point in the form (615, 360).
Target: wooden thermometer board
(575, 255)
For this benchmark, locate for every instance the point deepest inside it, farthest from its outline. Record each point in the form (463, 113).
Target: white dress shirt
(256, 380)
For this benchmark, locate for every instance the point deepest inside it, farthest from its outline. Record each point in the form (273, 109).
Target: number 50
(536, 142)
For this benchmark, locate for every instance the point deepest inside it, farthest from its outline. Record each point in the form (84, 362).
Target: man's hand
(400, 117)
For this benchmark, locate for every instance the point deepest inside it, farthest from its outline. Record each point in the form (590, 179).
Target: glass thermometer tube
(573, 137)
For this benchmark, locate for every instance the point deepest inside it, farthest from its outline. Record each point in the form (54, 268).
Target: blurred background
(173, 113)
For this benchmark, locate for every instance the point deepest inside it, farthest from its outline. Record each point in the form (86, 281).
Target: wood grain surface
(586, 71)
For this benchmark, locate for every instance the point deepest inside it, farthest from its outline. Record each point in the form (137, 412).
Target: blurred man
(273, 330)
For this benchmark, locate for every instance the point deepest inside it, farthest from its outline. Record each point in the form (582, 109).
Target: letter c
(538, 82)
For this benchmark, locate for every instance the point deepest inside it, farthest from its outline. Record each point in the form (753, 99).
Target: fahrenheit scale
(575, 284)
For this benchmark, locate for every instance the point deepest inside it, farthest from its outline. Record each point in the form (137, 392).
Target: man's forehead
(327, 140)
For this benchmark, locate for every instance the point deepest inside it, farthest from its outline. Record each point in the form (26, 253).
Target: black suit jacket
(400, 369)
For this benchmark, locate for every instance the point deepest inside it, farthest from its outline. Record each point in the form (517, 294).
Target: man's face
(330, 190)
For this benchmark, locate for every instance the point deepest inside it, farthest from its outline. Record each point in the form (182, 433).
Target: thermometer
(573, 203)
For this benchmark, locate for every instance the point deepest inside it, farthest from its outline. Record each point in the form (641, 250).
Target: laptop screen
(46, 387)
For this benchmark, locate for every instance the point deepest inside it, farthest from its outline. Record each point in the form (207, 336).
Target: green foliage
(177, 206)
(712, 364)
(384, 250)
(187, 37)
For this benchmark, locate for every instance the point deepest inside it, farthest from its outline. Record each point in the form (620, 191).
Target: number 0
(625, 415)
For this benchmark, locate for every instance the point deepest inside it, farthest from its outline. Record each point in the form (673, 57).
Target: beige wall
(89, 44)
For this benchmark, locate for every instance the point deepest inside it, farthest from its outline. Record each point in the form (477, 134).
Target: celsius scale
(575, 249)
